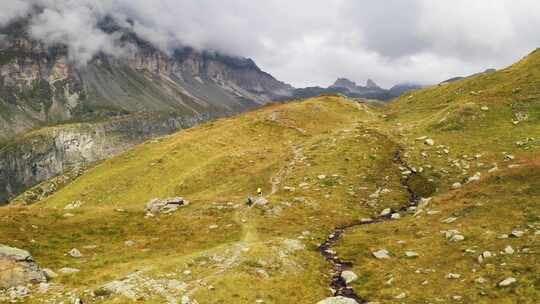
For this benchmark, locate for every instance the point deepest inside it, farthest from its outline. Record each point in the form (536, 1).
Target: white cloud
(309, 42)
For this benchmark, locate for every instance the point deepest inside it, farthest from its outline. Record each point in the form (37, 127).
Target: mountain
(349, 88)
(487, 71)
(40, 87)
(358, 204)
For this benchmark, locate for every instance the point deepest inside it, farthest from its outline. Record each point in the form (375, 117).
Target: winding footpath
(338, 284)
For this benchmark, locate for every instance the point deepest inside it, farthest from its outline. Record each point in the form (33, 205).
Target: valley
(405, 203)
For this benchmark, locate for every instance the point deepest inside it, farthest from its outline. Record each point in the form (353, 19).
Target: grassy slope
(286, 145)
(476, 140)
(212, 165)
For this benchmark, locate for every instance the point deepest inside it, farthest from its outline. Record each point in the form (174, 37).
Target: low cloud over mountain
(391, 42)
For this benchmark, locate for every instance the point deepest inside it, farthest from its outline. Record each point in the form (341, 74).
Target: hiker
(249, 201)
(259, 191)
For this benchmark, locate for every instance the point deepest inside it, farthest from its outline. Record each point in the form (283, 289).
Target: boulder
(507, 282)
(381, 254)
(338, 300)
(18, 268)
(169, 205)
(75, 253)
(349, 276)
(261, 201)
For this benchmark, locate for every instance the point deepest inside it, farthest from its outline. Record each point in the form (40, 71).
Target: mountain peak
(371, 84)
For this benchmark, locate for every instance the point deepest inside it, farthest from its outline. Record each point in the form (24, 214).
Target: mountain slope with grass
(433, 198)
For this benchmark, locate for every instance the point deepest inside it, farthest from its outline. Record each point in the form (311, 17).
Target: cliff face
(45, 153)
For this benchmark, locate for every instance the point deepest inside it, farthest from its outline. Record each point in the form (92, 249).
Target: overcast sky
(310, 42)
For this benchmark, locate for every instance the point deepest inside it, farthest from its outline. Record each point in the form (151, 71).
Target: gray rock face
(46, 153)
(18, 268)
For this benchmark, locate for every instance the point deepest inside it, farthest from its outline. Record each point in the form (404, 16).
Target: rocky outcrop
(18, 268)
(48, 152)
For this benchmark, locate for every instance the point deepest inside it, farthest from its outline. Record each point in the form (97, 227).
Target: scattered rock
(73, 205)
(49, 273)
(453, 276)
(381, 254)
(213, 226)
(429, 142)
(480, 280)
(386, 212)
(509, 250)
(321, 177)
(474, 178)
(457, 238)
(456, 186)
(366, 220)
(517, 233)
(449, 220)
(395, 216)
(507, 282)
(411, 254)
(68, 270)
(17, 267)
(349, 276)
(165, 206)
(338, 300)
(129, 243)
(401, 296)
(261, 201)
(75, 253)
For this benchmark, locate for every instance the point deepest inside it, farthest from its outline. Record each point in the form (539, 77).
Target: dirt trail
(338, 284)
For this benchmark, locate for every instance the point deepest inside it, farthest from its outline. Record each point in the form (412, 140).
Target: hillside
(433, 198)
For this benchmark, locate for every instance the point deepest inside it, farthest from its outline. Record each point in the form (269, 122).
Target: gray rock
(349, 276)
(381, 254)
(411, 254)
(68, 270)
(49, 274)
(75, 253)
(456, 186)
(338, 300)
(165, 206)
(18, 268)
(429, 142)
(386, 212)
(517, 233)
(507, 282)
(261, 201)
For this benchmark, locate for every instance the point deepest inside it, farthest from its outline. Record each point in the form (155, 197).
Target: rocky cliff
(42, 154)
(121, 100)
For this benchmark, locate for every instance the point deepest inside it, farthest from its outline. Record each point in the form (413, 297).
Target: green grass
(335, 153)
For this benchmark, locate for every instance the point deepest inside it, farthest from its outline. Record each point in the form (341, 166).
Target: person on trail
(259, 191)
(249, 200)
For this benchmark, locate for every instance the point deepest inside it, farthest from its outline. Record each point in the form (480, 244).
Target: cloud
(13, 9)
(76, 27)
(308, 42)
